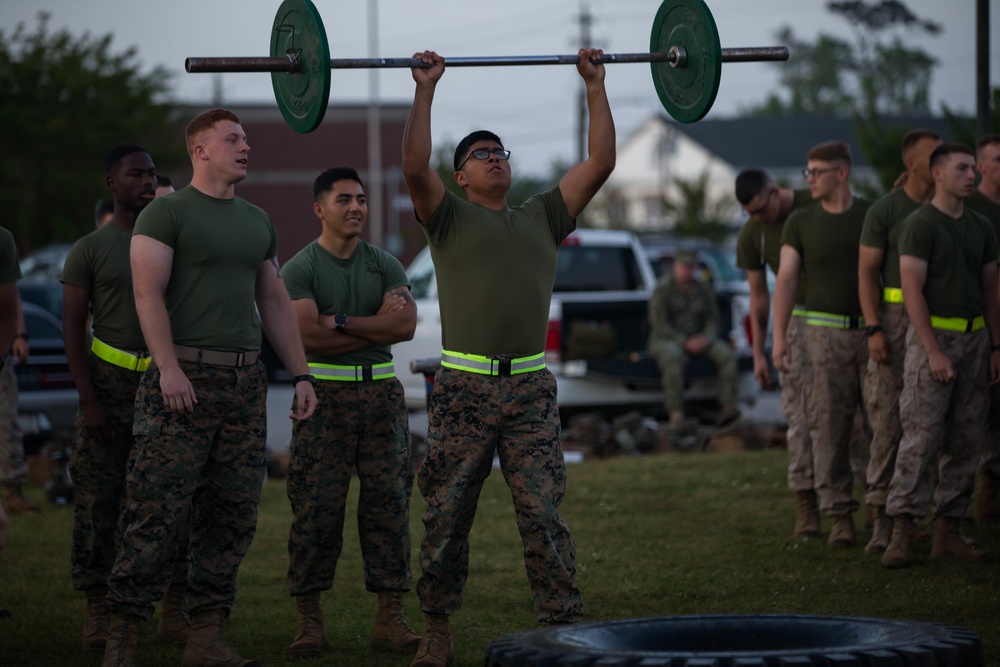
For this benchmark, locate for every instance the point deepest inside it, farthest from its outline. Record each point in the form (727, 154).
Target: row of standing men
(168, 457)
(888, 312)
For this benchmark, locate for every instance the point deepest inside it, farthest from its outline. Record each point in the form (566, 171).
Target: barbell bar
(685, 58)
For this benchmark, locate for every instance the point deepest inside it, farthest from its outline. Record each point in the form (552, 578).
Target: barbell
(685, 58)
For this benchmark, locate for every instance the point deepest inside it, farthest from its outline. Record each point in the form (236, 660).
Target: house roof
(772, 143)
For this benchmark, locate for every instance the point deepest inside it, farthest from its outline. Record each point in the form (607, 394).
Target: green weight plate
(304, 95)
(686, 92)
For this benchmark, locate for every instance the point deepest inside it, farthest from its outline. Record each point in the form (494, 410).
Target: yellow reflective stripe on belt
(341, 373)
(117, 357)
(477, 363)
(834, 321)
(958, 323)
(799, 311)
(892, 295)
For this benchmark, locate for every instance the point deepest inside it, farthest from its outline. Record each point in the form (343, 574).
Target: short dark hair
(324, 182)
(205, 121)
(830, 152)
(987, 140)
(750, 183)
(914, 136)
(163, 179)
(944, 150)
(102, 208)
(116, 154)
(465, 144)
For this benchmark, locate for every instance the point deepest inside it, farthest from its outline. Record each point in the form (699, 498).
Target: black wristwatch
(872, 330)
(340, 321)
(304, 378)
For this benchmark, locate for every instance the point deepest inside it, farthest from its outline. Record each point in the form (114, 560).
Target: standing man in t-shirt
(352, 301)
(495, 267)
(203, 263)
(882, 303)
(986, 201)
(948, 269)
(97, 281)
(821, 240)
(758, 247)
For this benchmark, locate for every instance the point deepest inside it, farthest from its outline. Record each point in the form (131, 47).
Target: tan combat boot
(174, 626)
(390, 632)
(987, 508)
(947, 542)
(310, 637)
(122, 634)
(437, 645)
(807, 515)
(897, 554)
(881, 530)
(15, 502)
(96, 622)
(842, 532)
(206, 646)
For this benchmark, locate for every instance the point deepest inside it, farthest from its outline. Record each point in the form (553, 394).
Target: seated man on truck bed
(683, 321)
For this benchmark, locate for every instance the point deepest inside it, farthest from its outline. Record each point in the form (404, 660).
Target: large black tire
(741, 641)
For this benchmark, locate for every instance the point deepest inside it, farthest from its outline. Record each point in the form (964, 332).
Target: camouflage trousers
(13, 469)
(359, 426)
(800, 463)
(883, 386)
(205, 467)
(472, 417)
(833, 395)
(98, 468)
(671, 357)
(943, 423)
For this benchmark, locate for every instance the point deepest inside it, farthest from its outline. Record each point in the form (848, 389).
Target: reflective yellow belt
(499, 365)
(799, 311)
(113, 355)
(892, 295)
(958, 323)
(338, 373)
(833, 321)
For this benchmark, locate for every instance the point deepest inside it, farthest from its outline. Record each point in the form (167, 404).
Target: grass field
(666, 535)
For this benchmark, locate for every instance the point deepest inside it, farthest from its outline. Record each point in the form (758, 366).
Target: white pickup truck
(596, 343)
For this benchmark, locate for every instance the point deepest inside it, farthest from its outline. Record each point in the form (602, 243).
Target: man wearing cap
(822, 241)
(986, 201)
(352, 302)
(948, 269)
(758, 247)
(886, 321)
(684, 323)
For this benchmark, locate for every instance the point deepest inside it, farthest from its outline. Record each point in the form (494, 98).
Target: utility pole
(586, 20)
(983, 66)
(376, 202)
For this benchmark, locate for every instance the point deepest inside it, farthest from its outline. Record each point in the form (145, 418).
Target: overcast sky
(532, 109)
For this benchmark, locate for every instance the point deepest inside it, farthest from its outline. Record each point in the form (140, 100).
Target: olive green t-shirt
(979, 203)
(219, 246)
(955, 249)
(495, 271)
(828, 246)
(354, 286)
(881, 231)
(99, 264)
(10, 269)
(759, 243)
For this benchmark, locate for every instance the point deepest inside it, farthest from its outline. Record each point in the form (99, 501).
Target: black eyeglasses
(763, 207)
(484, 154)
(816, 172)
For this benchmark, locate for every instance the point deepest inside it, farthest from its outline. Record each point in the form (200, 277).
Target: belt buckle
(240, 358)
(968, 325)
(503, 365)
(853, 321)
(366, 373)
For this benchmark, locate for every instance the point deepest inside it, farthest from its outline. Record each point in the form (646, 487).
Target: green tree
(695, 213)
(64, 101)
(875, 74)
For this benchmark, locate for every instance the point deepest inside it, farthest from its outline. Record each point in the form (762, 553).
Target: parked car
(47, 399)
(597, 331)
(45, 263)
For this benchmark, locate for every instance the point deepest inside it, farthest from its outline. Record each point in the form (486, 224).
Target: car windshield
(596, 269)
